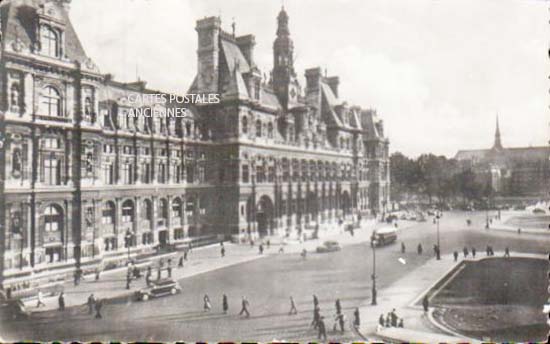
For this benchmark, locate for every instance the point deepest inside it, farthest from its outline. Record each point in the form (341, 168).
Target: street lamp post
(373, 243)
(438, 255)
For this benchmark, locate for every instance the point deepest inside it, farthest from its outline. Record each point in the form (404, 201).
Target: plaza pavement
(112, 283)
(406, 294)
(501, 225)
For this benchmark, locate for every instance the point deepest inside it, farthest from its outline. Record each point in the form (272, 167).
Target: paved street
(268, 283)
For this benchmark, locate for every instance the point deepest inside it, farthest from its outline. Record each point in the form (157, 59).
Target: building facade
(511, 172)
(85, 184)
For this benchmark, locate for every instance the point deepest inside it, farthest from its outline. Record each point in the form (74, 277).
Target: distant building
(83, 183)
(514, 172)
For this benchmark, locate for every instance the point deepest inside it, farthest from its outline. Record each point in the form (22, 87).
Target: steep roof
(19, 18)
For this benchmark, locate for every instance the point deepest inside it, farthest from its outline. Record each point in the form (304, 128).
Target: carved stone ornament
(17, 45)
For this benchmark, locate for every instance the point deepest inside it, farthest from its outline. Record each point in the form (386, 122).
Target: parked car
(13, 309)
(539, 211)
(329, 246)
(158, 288)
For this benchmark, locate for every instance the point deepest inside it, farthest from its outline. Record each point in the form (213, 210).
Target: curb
(445, 328)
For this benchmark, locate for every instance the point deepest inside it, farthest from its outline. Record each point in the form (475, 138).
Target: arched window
(270, 130)
(50, 102)
(108, 213)
(53, 218)
(245, 125)
(258, 128)
(128, 211)
(49, 40)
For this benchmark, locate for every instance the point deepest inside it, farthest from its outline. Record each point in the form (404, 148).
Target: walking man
(339, 319)
(98, 306)
(91, 302)
(338, 306)
(419, 249)
(488, 251)
(473, 252)
(61, 301)
(261, 248)
(128, 280)
(169, 267)
(356, 319)
(381, 321)
(506, 252)
(425, 303)
(244, 308)
(39, 299)
(315, 301)
(322, 329)
(455, 255)
(293, 309)
(148, 276)
(394, 318)
(180, 262)
(402, 247)
(316, 317)
(225, 305)
(222, 250)
(465, 251)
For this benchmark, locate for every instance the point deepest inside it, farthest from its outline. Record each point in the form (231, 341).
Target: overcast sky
(437, 71)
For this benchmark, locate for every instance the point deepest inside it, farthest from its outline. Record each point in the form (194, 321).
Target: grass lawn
(500, 299)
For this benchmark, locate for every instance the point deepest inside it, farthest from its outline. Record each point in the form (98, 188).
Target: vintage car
(165, 286)
(329, 246)
(13, 309)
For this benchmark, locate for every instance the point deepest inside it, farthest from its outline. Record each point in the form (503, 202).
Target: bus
(385, 236)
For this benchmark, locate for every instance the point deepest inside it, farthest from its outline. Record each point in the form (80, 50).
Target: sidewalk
(404, 295)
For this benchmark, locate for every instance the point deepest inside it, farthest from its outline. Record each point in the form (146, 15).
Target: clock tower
(285, 84)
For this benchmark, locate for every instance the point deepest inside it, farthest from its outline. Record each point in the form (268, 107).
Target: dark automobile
(158, 288)
(329, 246)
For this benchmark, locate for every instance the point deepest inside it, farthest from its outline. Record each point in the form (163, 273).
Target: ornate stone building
(84, 184)
(512, 172)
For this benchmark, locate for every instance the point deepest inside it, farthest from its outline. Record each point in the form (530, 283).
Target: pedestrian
(506, 252)
(488, 251)
(465, 251)
(402, 247)
(293, 309)
(180, 262)
(98, 306)
(76, 277)
(315, 301)
(381, 321)
(491, 251)
(401, 324)
(394, 318)
(39, 299)
(435, 250)
(519, 230)
(223, 251)
(128, 280)
(281, 249)
(338, 320)
(473, 252)
(316, 317)
(338, 306)
(268, 243)
(97, 272)
(189, 247)
(8, 293)
(425, 303)
(251, 242)
(388, 320)
(148, 276)
(61, 301)
(303, 254)
(244, 308)
(322, 329)
(225, 305)
(261, 248)
(455, 255)
(207, 306)
(184, 256)
(356, 318)
(91, 302)
(419, 249)
(169, 267)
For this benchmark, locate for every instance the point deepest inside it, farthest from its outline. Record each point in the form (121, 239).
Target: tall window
(50, 102)
(246, 174)
(270, 130)
(49, 41)
(53, 219)
(109, 173)
(176, 207)
(258, 128)
(108, 213)
(245, 125)
(127, 211)
(14, 97)
(162, 173)
(52, 170)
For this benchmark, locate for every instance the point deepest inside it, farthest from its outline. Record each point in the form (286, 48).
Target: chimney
(333, 83)
(313, 77)
(246, 44)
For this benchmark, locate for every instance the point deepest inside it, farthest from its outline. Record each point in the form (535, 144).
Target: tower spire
(497, 144)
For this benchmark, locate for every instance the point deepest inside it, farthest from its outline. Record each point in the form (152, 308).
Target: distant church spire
(497, 144)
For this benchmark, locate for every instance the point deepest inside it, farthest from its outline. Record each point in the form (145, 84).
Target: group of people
(339, 318)
(390, 320)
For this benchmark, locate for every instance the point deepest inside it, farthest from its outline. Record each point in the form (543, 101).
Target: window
(270, 130)
(50, 102)
(245, 125)
(258, 128)
(176, 207)
(52, 170)
(108, 213)
(49, 40)
(109, 173)
(53, 219)
(146, 173)
(127, 211)
(246, 174)
(127, 173)
(89, 115)
(162, 173)
(14, 97)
